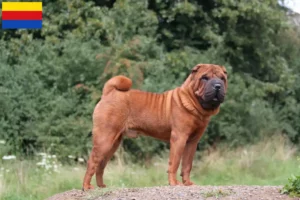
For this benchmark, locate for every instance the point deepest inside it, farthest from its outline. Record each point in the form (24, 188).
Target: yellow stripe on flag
(22, 6)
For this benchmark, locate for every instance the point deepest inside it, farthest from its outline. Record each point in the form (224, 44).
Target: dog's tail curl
(121, 83)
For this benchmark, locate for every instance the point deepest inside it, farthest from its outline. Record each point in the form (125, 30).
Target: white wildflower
(41, 154)
(53, 156)
(80, 160)
(47, 167)
(2, 141)
(11, 157)
(40, 163)
(70, 156)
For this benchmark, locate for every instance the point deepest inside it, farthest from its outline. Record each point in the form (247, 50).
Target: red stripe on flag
(22, 15)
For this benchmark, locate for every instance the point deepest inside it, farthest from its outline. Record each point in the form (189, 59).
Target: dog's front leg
(187, 162)
(188, 155)
(177, 144)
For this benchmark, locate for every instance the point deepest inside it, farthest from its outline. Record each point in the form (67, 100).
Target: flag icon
(22, 15)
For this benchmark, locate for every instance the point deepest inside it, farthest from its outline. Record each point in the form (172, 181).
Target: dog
(179, 116)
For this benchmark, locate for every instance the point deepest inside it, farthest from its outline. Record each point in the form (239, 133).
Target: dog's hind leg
(103, 144)
(104, 161)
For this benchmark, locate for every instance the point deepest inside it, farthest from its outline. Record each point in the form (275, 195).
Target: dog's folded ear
(195, 69)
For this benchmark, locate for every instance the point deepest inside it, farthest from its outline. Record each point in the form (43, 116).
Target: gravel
(235, 192)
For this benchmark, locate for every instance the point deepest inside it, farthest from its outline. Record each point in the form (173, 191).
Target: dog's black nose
(217, 86)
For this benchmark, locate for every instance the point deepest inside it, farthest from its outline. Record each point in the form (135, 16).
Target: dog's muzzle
(214, 94)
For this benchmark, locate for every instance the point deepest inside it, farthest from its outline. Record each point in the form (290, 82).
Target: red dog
(179, 116)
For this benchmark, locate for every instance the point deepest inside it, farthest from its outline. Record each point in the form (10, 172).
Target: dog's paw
(87, 187)
(188, 183)
(102, 186)
(174, 183)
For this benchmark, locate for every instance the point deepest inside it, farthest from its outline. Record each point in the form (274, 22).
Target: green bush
(293, 187)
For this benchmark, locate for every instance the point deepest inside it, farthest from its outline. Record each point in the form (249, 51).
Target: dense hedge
(51, 79)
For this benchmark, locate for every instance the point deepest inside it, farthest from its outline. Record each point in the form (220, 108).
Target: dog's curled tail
(121, 83)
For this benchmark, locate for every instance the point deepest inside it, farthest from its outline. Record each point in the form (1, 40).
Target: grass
(269, 162)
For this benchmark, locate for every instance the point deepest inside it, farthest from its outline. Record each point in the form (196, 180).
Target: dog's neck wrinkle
(189, 102)
(186, 88)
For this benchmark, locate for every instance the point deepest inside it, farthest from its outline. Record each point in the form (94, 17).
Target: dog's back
(130, 110)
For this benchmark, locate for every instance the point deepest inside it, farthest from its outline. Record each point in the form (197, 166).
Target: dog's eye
(204, 78)
(223, 79)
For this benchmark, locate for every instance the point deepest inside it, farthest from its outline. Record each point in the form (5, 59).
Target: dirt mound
(179, 192)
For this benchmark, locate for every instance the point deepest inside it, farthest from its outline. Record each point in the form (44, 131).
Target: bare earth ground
(179, 192)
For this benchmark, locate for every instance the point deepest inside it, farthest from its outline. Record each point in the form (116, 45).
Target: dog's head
(208, 83)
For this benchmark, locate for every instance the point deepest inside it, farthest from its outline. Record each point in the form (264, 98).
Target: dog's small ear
(195, 69)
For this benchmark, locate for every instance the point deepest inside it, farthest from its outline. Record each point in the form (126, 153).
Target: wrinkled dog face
(210, 85)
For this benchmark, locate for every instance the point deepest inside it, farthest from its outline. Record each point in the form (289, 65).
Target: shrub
(293, 187)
